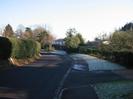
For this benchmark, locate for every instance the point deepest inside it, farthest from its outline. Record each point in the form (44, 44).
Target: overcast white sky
(89, 17)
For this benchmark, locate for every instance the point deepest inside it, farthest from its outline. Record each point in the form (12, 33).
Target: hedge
(122, 57)
(86, 50)
(5, 48)
(24, 48)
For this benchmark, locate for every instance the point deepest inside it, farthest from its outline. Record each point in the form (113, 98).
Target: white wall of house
(60, 42)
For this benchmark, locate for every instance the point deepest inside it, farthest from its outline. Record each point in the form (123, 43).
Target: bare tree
(28, 33)
(43, 36)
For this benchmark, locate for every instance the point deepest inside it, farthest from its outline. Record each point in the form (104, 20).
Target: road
(58, 76)
(39, 80)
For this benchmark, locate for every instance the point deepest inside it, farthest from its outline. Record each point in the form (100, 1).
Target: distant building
(59, 44)
(94, 44)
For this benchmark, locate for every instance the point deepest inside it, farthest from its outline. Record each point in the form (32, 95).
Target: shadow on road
(37, 80)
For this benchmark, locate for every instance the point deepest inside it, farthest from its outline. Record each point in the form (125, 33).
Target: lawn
(114, 90)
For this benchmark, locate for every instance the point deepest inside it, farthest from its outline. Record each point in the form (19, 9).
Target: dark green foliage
(122, 57)
(24, 48)
(48, 48)
(84, 49)
(72, 50)
(127, 27)
(71, 32)
(5, 48)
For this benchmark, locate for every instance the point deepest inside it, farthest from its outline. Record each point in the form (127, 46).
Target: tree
(127, 27)
(79, 36)
(119, 41)
(46, 39)
(71, 32)
(72, 42)
(8, 31)
(43, 36)
(37, 32)
(122, 40)
(28, 33)
(73, 39)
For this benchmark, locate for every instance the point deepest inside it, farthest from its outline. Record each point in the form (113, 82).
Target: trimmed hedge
(122, 57)
(24, 48)
(5, 48)
(72, 50)
(85, 50)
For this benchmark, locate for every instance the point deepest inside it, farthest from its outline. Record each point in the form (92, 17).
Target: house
(59, 44)
(94, 44)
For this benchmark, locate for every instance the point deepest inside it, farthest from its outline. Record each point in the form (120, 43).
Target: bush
(122, 57)
(48, 47)
(24, 48)
(72, 50)
(5, 48)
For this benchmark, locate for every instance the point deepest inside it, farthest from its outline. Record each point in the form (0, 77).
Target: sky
(91, 18)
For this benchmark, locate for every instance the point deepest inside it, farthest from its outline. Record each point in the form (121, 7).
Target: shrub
(123, 57)
(83, 49)
(24, 48)
(48, 47)
(72, 50)
(5, 48)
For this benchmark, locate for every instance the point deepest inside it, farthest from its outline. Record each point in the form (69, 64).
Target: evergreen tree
(8, 31)
(127, 27)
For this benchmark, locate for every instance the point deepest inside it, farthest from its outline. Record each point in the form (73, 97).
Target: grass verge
(115, 90)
